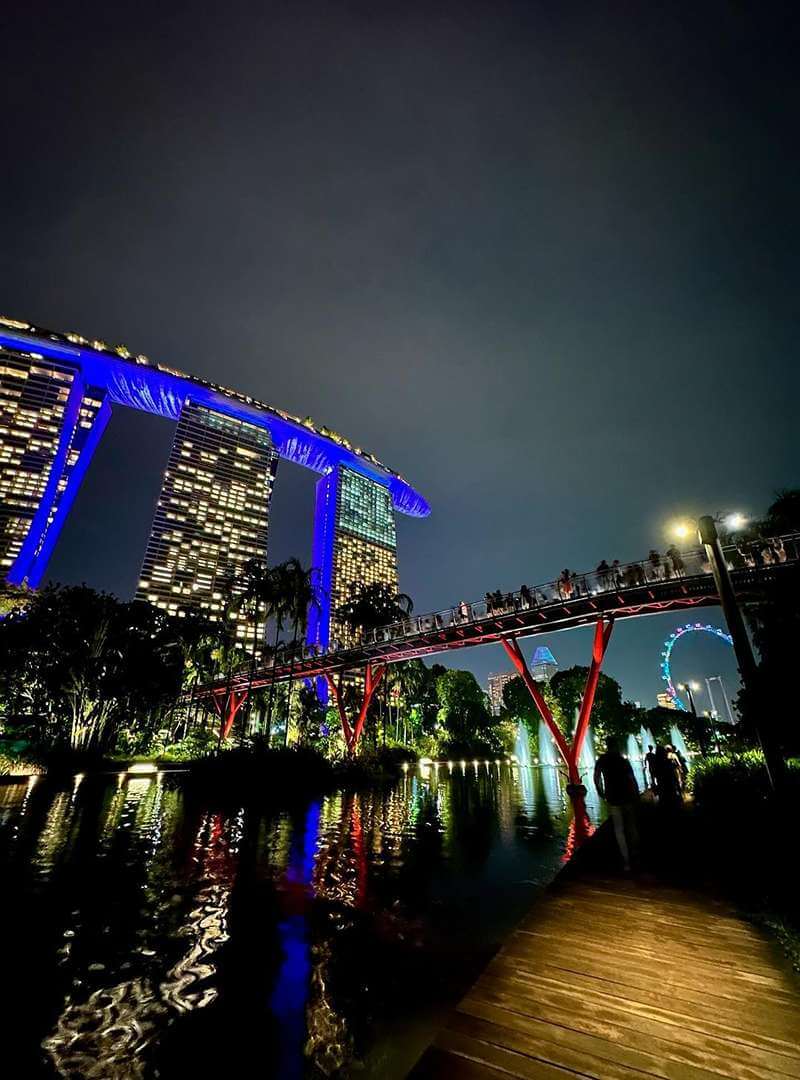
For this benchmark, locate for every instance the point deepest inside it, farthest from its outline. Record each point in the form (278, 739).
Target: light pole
(745, 660)
(699, 728)
(687, 689)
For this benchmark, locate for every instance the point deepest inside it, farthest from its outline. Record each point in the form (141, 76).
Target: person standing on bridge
(673, 553)
(655, 562)
(616, 784)
(565, 584)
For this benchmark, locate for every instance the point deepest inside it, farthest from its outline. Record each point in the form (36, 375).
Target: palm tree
(300, 596)
(371, 606)
(251, 589)
(409, 678)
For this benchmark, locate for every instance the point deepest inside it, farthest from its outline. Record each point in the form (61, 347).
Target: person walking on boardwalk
(616, 784)
(669, 779)
(650, 767)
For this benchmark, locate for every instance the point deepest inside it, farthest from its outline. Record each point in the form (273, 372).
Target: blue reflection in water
(152, 931)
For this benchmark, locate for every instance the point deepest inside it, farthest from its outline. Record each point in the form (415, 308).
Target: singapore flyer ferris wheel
(669, 645)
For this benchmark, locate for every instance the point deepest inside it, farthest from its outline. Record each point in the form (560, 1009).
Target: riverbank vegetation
(85, 678)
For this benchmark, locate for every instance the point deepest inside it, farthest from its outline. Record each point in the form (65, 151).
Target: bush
(10, 765)
(738, 783)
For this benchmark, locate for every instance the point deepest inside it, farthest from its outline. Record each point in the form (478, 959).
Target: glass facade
(50, 423)
(212, 515)
(355, 544)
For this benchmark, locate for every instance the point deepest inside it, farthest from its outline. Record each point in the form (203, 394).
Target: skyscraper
(497, 682)
(355, 543)
(56, 395)
(50, 421)
(212, 514)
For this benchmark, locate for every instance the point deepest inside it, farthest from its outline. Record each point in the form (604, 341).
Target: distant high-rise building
(355, 544)
(543, 664)
(666, 701)
(497, 682)
(212, 515)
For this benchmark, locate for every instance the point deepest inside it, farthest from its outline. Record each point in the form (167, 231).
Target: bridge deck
(443, 631)
(613, 980)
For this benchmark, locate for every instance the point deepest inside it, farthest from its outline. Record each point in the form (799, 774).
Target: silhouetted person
(603, 572)
(615, 782)
(655, 562)
(684, 764)
(668, 774)
(525, 594)
(650, 766)
(674, 555)
(565, 584)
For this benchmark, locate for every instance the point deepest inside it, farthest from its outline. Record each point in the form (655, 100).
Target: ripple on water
(306, 932)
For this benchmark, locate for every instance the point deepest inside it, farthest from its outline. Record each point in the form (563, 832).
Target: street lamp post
(699, 729)
(745, 660)
(687, 688)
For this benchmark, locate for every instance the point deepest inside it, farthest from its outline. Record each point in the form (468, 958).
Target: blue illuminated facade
(68, 386)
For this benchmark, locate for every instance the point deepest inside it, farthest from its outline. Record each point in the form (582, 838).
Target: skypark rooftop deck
(629, 591)
(139, 383)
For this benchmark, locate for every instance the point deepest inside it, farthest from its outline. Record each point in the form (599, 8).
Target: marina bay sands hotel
(57, 392)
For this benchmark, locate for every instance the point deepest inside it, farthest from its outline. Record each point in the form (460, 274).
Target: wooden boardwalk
(617, 980)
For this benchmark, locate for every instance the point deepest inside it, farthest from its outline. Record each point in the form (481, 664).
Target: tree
(408, 679)
(464, 714)
(300, 595)
(660, 721)
(611, 716)
(309, 716)
(81, 665)
(769, 703)
(783, 515)
(371, 606)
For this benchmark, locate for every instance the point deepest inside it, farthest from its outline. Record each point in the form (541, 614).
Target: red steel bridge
(597, 599)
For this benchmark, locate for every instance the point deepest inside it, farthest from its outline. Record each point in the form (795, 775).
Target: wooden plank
(514, 1029)
(702, 967)
(614, 980)
(778, 1038)
(618, 1024)
(776, 1022)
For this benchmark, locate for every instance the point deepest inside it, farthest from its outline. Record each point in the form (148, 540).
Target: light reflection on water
(153, 933)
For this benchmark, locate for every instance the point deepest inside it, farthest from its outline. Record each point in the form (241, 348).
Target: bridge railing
(617, 578)
(572, 586)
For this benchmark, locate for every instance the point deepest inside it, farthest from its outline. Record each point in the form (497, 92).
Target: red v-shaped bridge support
(227, 706)
(570, 753)
(352, 733)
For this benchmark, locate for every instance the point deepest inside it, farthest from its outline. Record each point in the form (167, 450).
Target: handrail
(617, 578)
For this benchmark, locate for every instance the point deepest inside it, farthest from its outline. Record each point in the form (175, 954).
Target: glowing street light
(690, 689)
(735, 522)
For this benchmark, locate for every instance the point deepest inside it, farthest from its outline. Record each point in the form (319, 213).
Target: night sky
(540, 258)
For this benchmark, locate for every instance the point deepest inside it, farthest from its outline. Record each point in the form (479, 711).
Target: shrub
(738, 783)
(15, 766)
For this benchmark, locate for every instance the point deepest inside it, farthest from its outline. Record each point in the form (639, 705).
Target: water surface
(149, 933)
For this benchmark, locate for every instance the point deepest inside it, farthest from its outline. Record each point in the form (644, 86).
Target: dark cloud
(539, 258)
